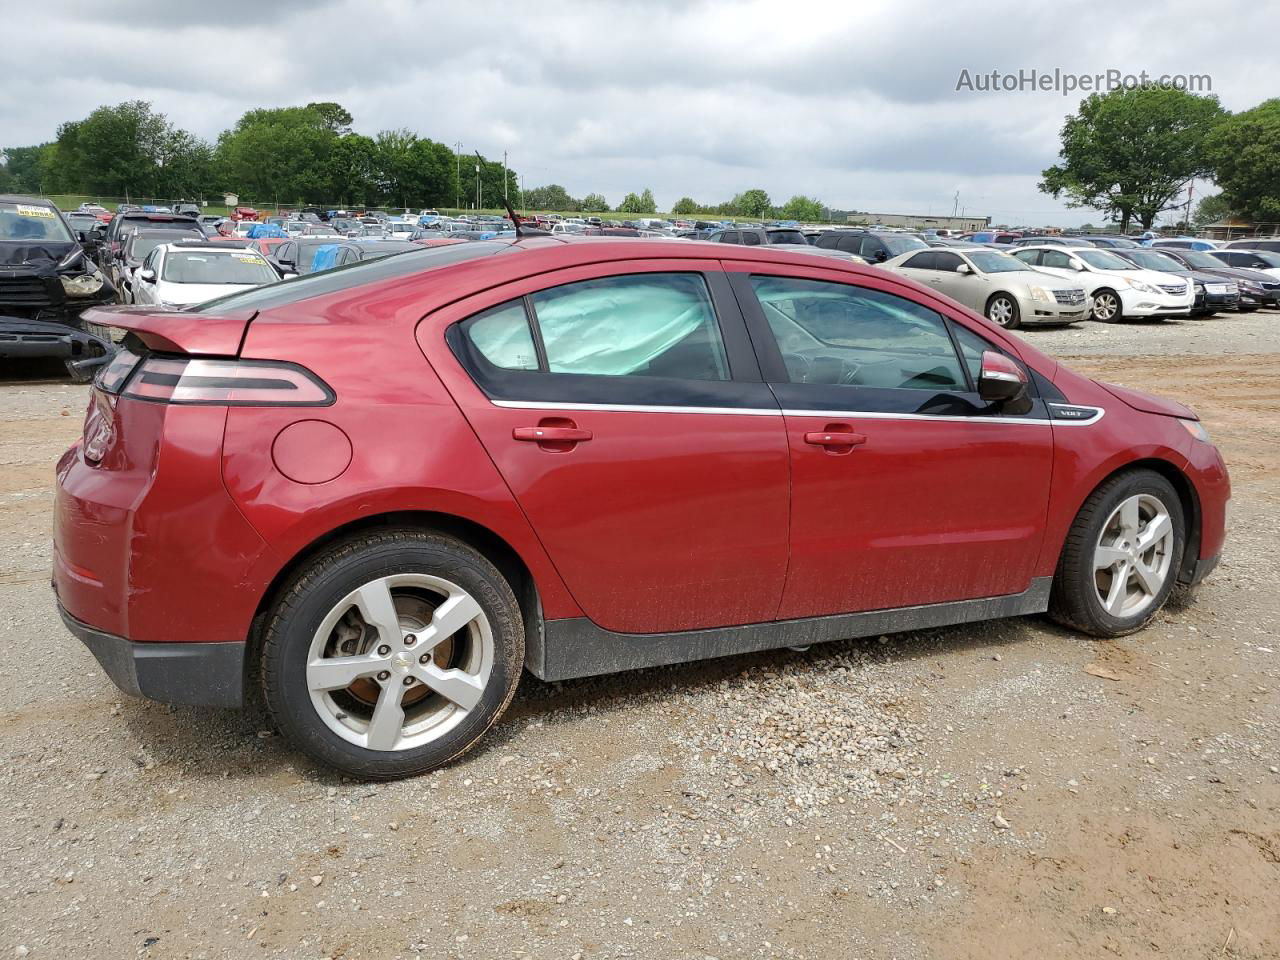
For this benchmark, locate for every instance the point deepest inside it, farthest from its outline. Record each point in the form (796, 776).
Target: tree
(1211, 209)
(644, 203)
(333, 115)
(752, 203)
(1128, 153)
(594, 203)
(22, 169)
(685, 206)
(552, 197)
(802, 208)
(280, 154)
(351, 171)
(1245, 164)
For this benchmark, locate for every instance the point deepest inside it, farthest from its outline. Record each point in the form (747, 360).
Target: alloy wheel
(399, 662)
(1000, 311)
(1105, 307)
(1133, 556)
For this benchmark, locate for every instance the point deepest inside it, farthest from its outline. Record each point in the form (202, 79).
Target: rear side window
(641, 325)
(921, 261)
(657, 324)
(750, 239)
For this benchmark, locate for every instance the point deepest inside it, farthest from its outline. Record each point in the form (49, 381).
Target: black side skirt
(576, 647)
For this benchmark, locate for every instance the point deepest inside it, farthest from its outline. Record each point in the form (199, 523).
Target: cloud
(855, 103)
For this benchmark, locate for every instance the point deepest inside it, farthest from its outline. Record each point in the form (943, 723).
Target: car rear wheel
(1107, 307)
(1002, 309)
(392, 653)
(1121, 559)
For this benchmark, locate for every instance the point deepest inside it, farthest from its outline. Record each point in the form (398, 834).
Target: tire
(1113, 308)
(1002, 310)
(1100, 533)
(327, 615)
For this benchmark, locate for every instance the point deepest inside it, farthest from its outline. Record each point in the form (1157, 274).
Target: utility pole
(479, 182)
(457, 187)
(1191, 184)
(504, 176)
(955, 203)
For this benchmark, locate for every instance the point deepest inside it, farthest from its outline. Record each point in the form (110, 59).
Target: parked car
(1270, 244)
(82, 223)
(137, 246)
(1000, 287)
(1264, 261)
(46, 281)
(1181, 243)
(108, 239)
(788, 238)
(872, 246)
(387, 490)
(1119, 289)
(244, 213)
(1052, 241)
(351, 251)
(187, 272)
(296, 255)
(1257, 289)
(1213, 293)
(1107, 240)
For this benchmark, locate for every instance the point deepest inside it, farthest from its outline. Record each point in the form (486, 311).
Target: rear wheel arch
(489, 544)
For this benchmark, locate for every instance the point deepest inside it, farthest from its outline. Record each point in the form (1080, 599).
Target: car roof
(24, 199)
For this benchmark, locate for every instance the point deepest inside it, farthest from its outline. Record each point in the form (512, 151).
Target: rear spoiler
(177, 331)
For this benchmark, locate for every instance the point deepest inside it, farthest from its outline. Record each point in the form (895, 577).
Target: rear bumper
(45, 338)
(195, 674)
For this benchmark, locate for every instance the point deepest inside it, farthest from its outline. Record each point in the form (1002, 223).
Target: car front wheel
(392, 653)
(1107, 307)
(1121, 558)
(1002, 309)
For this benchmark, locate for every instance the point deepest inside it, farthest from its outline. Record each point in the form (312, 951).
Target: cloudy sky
(852, 102)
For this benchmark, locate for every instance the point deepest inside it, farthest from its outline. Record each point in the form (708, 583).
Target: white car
(401, 229)
(180, 274)
(1119, 289)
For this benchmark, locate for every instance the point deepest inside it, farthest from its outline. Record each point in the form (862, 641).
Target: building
(911, 221)
(1231, 229)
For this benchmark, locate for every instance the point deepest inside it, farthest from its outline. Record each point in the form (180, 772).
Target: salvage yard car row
(55, 265)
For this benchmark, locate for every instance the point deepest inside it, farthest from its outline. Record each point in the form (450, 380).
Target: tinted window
(921, 261)
(354, 275)
(787, 236)
(656, 325)
(870, 248)
(831, 240)
(849, 244)
(949, 262)
(750, 239)
(502, 337)
(729, 236)
(835, 333)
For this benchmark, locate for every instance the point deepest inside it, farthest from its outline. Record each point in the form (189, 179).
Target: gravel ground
(995, 790)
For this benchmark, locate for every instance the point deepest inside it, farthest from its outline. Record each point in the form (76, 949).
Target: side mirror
(148, 275)
(1079, 267)
(881, 255)
(1001, 380)
(964, 268)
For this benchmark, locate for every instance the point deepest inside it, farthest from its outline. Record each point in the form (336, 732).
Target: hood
(39, 257)
(1146, 403)
(1050, 281)
(187, 294)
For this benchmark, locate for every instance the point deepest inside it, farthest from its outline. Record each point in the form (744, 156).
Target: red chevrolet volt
(380, 492)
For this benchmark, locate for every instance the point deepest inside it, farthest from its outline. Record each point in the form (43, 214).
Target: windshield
(992, 261)
(27, 223)
(899, 245)
(1201, 261)
(419, 260)
(1102, 260)
(201, 266)
(1151, 260)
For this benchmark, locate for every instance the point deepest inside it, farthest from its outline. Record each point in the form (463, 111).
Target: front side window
(947, 262)
(1057, 259)
(834, 333)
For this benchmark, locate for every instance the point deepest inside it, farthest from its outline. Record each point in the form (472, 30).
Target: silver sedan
(1000, 287)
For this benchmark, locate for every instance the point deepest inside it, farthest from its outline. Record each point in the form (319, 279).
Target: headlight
(85, 285)
(1142, 287)
(1040, 293)
(1199, 288)
(1250, 286)
(1196, 429)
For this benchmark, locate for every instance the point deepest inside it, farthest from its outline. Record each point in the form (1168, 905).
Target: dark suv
(46, 280)
(110, 237)
(872, 246)
(759, 236)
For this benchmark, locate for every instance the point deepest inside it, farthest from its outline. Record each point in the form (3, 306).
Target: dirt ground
(999, 790)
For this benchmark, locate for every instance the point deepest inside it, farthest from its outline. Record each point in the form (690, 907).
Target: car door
(907, 488)
(144, 291)
(969, 288)
(624, 408)
(1059, 263)
(920, 268)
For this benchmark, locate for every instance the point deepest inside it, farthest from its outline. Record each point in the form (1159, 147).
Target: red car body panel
(662, 522)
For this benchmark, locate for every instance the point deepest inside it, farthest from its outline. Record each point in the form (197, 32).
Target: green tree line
(1131, 153)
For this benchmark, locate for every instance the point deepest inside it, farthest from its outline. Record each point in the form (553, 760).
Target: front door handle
(835, 440)
(551, 434)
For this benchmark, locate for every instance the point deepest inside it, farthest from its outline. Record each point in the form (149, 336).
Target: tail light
(195, 380)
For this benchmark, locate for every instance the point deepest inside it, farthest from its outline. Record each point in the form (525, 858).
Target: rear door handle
(835, 439)
(551, 434)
